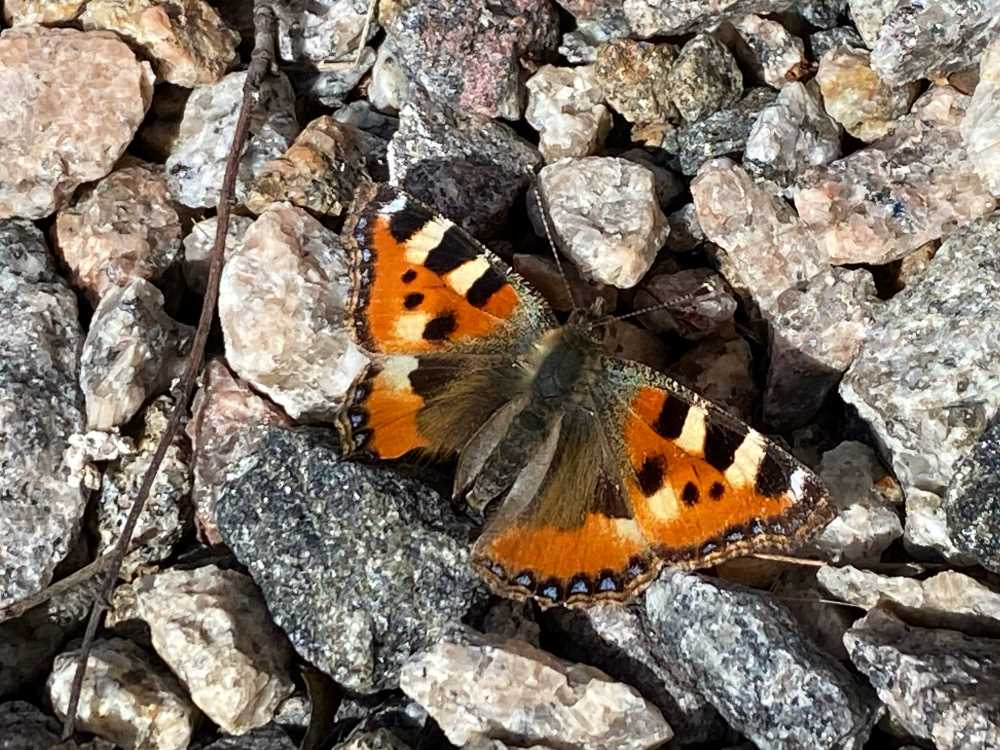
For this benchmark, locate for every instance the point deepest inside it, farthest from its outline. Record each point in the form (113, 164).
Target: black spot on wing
(412, 300)
(409, 276)
(485, 287)
(430, 378)
(690, 494)
(453, 250)
(670, 422)
(650, 475)
(441, 327)
(405, 223)
(772, 475)
(716, 491)
(721, 444)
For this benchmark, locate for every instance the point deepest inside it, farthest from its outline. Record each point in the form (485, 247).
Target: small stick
(364, 32)
(260, 62)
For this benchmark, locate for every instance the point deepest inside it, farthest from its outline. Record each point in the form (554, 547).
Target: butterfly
(601, 470)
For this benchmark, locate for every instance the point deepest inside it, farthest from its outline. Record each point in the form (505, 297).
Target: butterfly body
(602, 470)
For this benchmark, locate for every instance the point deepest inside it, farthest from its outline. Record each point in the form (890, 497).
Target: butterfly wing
(658, 476)
(444, 321)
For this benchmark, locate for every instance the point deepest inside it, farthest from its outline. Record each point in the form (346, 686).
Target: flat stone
(862, 491)
(223, 410)
(212, 628)
(471, 54)
(40, 408)
(198, 248)
(357, 618)
(128, 697)
(980, 128)
(635, 79)
(720, 369)
(320, 171)
(931, 38)
(468, 167)
(125, 227)
(857, 98)
(281, 303)
(927, 379)
(972, 504)
(565, 106)
(480, 687)
(702, 305)
(74, 101)
(915, 185)
(749, 659)
(197, 163)
(779, 58)
(671, 17)
(317, 32)
(938, 685)
(132, 352)
(186, 41)
(704, 79)
(605, 217)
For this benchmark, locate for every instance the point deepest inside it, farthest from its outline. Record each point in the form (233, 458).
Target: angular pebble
(670, 17)
(696, 303)
(779, 58)
(390, 86)
(635, 79)
(198, 248)
(321, 32)
(73, 102)
(868, 16)
(926, 535)
(704, 79)
(478, 687)
(981, 124)
(24, 12)
(972, 505)
(565, 106)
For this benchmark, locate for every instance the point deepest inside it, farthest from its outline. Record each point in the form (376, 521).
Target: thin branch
(260, 63)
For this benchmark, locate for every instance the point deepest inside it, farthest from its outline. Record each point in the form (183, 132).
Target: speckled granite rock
(868, 16)
(198, 248)
(197, 163)
(281, 302)
(565, 106)
(318, 32)
(635, 79)
(823, 41)
(132, 352)
(470, 53)
(605, 217)
(972, 504)
(704, 79)
(938, 685)
(748, 658)
(778, 57)
(40, 407)
(981, 124)
(925, 532)
(361, 567)
(928, 378)
(915, 185)
(125, 227)
(479, 687)
(73, 102)
(667, 17)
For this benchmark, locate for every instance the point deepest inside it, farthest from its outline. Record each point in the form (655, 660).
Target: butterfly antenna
(706, 287)
(552, 244)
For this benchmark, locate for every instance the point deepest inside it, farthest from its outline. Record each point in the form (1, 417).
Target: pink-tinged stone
(566, 107)
(186, 40)
(23, 12)
(72, 102)
(778, 57)
(124, 228)
(981, 126)
(915, 185)
(224, 410)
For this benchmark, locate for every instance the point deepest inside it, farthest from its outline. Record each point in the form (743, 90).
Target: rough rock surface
(361, 567)
(127, 697)
(321, 32)
(125, 227)
(198, 248)
(332, 82)
(635, 79)
(720, 369)
(470, 54)
(928, 378)
(868, 16)
(468, 167)
(704, 79)
(271, 737)
(981, 124)
(666, 17)
(925, 533)
(24, 727)
(72, 102)
(133, 351)
(749, 659)
(23, 12)
(197, 163)
(605, 217)
(915, 185)
(390, 86)
(779, 57)
(972, 505)
(479, 687)
(938, 685)
(212, 628)
(566, 107)
(186, 40)
(696, 303)
(281, 301)
(40, 407)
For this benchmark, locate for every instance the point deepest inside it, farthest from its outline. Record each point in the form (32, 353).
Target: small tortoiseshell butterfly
(605, 470)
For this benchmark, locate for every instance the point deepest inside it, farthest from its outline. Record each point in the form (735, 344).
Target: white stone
(780, 55)
(925, 534)
(198, 248)
(981, 125)
(566, 107)
(390, 85)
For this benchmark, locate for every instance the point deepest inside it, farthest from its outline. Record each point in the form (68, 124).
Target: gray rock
(720, 134)
(927, 380)
(467, 166)
(704, 78)
(390, 86)
(635, 79)
(841, 36)
(360, 567)
(40, 408)
(938, 685)
(670, 17)
(24, 727)
(580, 45)
(925, 533)
(323, 31)
(749, 659)
(868, 16)
(822, 13)
(271, 737)
(335, 80)
(972, 504)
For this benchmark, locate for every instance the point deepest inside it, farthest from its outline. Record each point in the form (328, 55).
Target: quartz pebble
(981, 124)
(565, 106)
(605, 217)
(186, 41)
(126, 227)
(23, 12)
(40, 408)
(470, 54)
(868, 16)
(779, 57)
(212, 628)
(316, 32)
(926, 535)
(320, 171)
(132, 352)
(704, 79)
(478, 686)
(915, 185)
(197, 163)
(281, 302)
(634, 77)
(670, 17)
(127, 697)
(857, 98)
(198, 248)
(72, 102)
(972, 505)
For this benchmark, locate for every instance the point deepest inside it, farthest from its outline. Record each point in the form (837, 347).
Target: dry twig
(260, 64)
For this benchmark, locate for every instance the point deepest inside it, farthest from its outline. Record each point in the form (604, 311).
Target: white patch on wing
(396, 372)
(467, 274)
(664, 503)
(692, 437)
(747, 458)
(426, 239)
(797, 483)
(628, 529)
(396, 204)
(410, 327)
